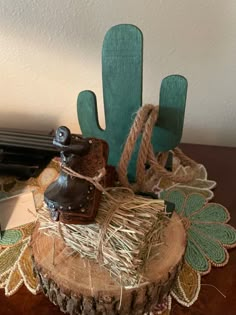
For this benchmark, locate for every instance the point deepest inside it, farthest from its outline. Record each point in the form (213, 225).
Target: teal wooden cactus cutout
(122, 54)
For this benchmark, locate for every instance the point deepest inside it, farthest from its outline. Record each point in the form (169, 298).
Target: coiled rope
(144, 123)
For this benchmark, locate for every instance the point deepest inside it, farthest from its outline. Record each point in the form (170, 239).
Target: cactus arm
(168, 132)
(88, 115)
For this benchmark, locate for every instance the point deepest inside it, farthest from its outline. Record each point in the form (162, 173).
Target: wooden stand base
(79, 286)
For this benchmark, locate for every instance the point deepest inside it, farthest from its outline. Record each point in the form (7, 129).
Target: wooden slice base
(80, 286)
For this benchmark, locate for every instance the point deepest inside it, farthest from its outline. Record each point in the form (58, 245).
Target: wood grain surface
(220, 163)
(74, 283)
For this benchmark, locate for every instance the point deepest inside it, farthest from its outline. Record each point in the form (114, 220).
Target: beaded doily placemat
(15, 260)
(16, 267)
(200, 184)
(208, 234)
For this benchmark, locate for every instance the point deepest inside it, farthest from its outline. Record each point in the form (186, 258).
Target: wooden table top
(220, 163)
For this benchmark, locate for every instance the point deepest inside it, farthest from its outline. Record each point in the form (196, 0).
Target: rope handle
(144, 123)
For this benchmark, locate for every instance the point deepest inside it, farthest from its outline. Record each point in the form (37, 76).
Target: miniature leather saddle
(70, 199)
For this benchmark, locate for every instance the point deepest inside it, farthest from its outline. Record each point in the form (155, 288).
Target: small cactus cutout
(122, 63)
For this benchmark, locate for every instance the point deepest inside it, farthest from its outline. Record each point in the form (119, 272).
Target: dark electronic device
(24, 153)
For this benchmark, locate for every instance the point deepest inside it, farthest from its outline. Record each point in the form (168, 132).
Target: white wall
(50, 50)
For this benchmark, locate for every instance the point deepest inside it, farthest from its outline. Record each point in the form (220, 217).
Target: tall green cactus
(122, 93)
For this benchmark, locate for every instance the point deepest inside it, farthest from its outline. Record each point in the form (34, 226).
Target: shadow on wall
(30, 122)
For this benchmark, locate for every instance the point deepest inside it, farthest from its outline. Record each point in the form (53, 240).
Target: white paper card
(17, 210)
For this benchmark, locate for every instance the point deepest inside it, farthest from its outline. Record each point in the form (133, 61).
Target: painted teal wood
(168, 132)
(122, 93)
(122, 89)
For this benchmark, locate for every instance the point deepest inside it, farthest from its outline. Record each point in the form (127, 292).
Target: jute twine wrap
(144, 123)
(92, 180)
(96, 182)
